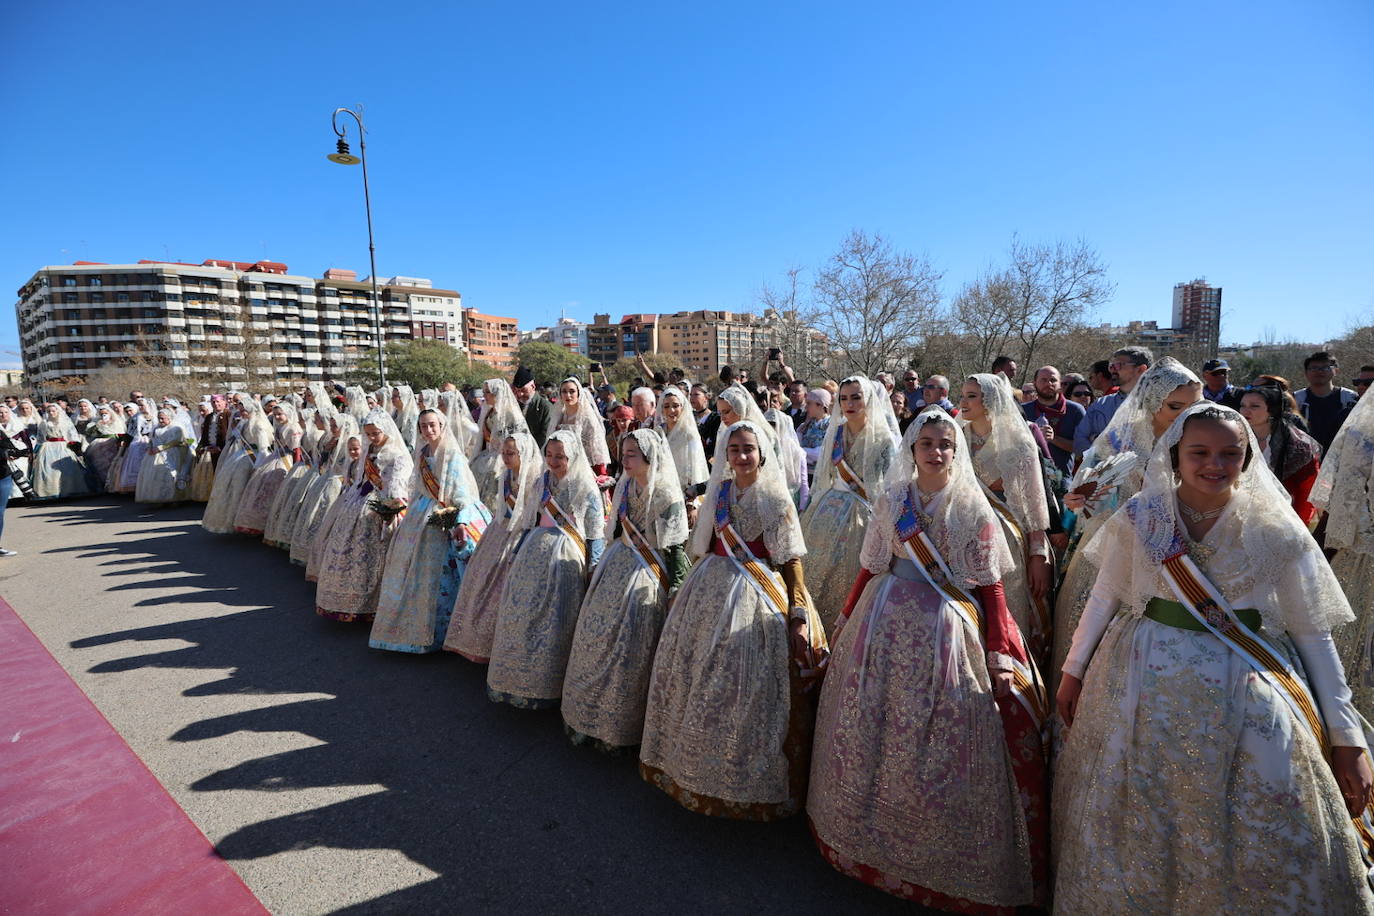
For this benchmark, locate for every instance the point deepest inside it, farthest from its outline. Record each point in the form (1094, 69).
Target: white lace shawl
(501, 413)
(1131, 428)
(747, 409)
(1344, 487)
(393, 460)
(875, 443)
(528, 482)
(1010, 453)
(355, 402)
(349, 428)
(457, 486)
(782, 533)
(576, 492)
(1257, 550)
(684, 440)
(789, 449)
(460, 422)
(586, 423)
(963, 525)
(665, 514)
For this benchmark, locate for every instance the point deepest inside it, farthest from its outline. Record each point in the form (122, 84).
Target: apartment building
(491, 338)
(1197, 313)
(219, 322)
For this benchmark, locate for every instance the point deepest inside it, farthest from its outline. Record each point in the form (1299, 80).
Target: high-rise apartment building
(1197, 313)
(220, 322)
(603, 340)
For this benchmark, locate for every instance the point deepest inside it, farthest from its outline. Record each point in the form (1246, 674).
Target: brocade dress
(318, 496)
(424, 565)
(1186, 783)
(251, 517)
(352, 560)
(542, 595)
(286, 505)
(923, 783)
(607, 682)
(165, 472)
(472, 624)
(727, 727)
(236, 465)
(834, 524)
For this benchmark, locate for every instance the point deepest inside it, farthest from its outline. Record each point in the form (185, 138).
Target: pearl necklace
(1195, 516)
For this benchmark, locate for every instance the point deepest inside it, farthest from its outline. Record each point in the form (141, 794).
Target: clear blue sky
(656, 157)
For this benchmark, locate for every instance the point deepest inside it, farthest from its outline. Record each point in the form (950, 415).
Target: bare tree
(806, 349)
(1055, 289)
(983, 315)
(873, 304)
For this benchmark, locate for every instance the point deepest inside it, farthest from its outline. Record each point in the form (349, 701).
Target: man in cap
(538, 413)
(1216, 384)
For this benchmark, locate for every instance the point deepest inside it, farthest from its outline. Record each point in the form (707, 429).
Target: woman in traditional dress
(355, 403)
(1292, 454)
(811, 433)
(104, 443)
(858, 449)
(249, 442)
(30, 417)
(268, 476)
(325, 488)
(929, 775)
(139, 429)
(679, 427)
(562, 536)
(460, 424)
(351, 563)
(208, 449)
(1165, 390)
(607, 682)
(727, 727)
(344, 503)
(18, 435)
(472, 626)
(316, 450)
(501, 415)
(405, 412)
(427, 560)
(165, 472)
(1345, 490)
(85, 419)
(1202, 694)
(576, 411)
(57, 471)
(1006, 461)
(793, 458)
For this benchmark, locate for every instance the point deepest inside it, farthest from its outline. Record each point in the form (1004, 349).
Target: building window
(69, 297)
(97, 297)
(69, 281)
(121, 297)
(95, 281)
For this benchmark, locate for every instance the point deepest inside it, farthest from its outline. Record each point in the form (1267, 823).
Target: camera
(774, 353)
(596, 367)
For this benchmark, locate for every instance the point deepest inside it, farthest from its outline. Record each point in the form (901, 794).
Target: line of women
(878, 660)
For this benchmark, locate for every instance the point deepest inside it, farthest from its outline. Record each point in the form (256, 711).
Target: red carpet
(84, 826)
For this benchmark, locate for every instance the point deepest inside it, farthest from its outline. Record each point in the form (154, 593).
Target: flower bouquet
(386, 508)
(443, 518)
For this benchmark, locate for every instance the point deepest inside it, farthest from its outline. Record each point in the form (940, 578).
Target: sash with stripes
(842, 468)
(507, 495)
(430, 481)
(560, 517)
(1206, 603)
(635, 538)
(738, 551)
(1027, 687)
(1043, 626)
(373, 473)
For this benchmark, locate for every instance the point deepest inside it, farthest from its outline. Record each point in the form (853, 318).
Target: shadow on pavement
(494, 800)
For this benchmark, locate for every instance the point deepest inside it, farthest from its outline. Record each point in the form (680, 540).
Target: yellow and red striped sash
(738, 551)
(846, 473)
(561, 518)
(647, 555)
(1027, 686)
(1038, 608)
(430, 481)
(1206, 603)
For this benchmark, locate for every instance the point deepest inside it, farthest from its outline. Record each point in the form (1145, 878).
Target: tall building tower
(1197, 313)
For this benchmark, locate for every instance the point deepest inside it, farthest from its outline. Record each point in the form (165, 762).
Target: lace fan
(1094, 483)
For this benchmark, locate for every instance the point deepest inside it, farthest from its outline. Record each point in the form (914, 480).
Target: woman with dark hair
(1293, 455)
(1281, 383)
(1082, 393)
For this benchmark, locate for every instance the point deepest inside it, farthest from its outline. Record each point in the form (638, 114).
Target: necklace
(1195, 516)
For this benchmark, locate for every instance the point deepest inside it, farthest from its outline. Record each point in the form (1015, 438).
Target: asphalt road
(338, 778)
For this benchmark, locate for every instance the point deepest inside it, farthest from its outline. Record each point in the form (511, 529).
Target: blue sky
(657, 157)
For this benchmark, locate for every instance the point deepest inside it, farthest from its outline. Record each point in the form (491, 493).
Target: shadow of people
(493, 800)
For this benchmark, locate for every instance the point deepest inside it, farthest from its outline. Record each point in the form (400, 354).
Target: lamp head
(343, 156)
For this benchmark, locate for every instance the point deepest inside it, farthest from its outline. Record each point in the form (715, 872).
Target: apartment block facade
(1197, 313)
(491, 338)
(219, 322)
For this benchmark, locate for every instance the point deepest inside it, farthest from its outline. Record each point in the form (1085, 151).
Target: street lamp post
(343, 157)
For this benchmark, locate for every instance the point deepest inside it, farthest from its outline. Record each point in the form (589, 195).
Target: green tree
(422, 364)
(551, 363)
(627, 369)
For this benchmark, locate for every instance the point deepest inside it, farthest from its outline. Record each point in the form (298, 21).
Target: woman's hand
(691, 516)
(1001, 683)
(1039, 577)
(1067, 698)
(1354, 776)
(1075, 501)
(801, 642)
